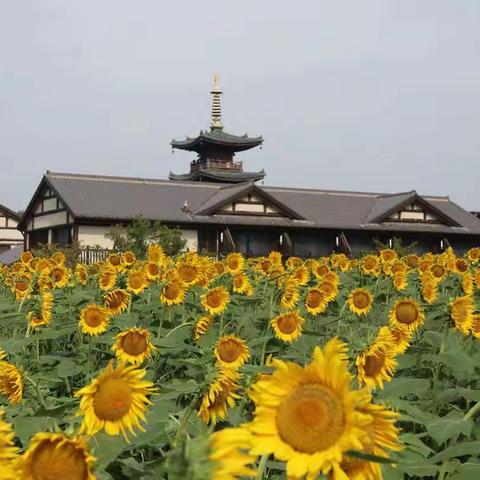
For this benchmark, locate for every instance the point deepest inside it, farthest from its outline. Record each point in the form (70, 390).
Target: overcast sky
(377, 95)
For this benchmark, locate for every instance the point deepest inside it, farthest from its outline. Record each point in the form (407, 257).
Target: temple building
(10, 237)
(219, 208)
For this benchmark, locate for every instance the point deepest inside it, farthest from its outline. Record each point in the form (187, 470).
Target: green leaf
(466, 448)
(451, 425)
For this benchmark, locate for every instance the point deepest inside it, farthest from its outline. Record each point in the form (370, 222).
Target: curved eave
(199, 143)
(225, 177)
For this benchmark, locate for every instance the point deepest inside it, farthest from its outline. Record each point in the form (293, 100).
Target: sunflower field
(269, 368)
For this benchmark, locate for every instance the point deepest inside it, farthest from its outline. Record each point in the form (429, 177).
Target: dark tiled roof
(116, 198)
(219, 175)
(385, 203)
(217, 137)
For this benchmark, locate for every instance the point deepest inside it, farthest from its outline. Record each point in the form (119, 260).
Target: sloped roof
(385, 203)
(219, 175)
(91, 197)
(9, 213)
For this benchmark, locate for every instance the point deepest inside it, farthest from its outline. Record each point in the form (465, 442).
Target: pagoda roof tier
(219, 176)
(216, 137)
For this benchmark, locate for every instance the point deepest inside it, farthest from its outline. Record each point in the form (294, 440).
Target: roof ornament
(216, 92)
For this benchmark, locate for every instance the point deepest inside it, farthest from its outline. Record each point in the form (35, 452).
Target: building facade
(220, 208)
(10, 236)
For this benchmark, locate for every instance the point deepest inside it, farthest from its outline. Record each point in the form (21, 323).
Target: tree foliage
(141, 232)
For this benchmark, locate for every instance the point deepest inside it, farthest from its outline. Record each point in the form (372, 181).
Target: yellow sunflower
(401, 339)
(241, 284)
(115, 401)
(231, 352)
(275, 257)
(8, 451)
(439, 272)
(382, 435)
(117, 301)
(412, 261)
(315, 301)
(81, 274)
(360, 301)
(293, 263)
(136, 281)
(128, 258)
(11, 382)
(467, 283)
(320, 269)
(301, 275)
(133, 345)
(173, 293)
(94, 319)
(288, 326)
(56, 456)
(107, 279)
(461, 266)
(26, 257)
(475, 326)
(461, 310)
(229, 454)
(234, 263)
(202, 326)
(387, 255)
(291, 294)
(21, 287)
(329, 288)
(188, 272)
(114, 261)
(429, 289)
(400, 281)
(220, 395)
(58, 258)
(60, 276)
(215, 301)
(473, 255)
(156, 253)
(476, 277)
(370, 265)
(406, 314)
(153, 271)
(377, 363)
(308, 417)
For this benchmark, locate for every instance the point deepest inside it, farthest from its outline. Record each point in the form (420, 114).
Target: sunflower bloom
(241, 284)
(11, 382)
(370, 265)
(231, 352)
(308, 416)
(107, 279)
(360, 301)
(377, 364)
(117, 301)
(461, 311)
(316, 301)
(81, 274)
(136, 281)
(115, 401)
(234, 263)
(229, 454)
(220, 395)
(288, 326)
(290, 295)
(173, 293)
(156, 254)
(133, 346)
(94, 319)
(8, 451)
(202, 326)
(54, 455)
(215, 301)
(406, 314)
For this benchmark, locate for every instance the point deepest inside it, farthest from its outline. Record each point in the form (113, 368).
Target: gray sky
(379, 95)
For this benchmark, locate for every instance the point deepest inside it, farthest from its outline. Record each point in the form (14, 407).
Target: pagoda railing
(214, 164)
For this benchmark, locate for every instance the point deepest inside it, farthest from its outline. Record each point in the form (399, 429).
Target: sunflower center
(462, 266)
(214, 299)
(171, 291)
(188, 273)
(233, 263)
(438, 271)
(115, 299)
(314, 298)
(361, 300)
(374, 363)
(287, 324)
(406, 313)
(113, 399)
(370, 263)
(136, 280)
(153, 269)
(93, 318)
(229, 351)
(57, 274)
(238, 281)
(311, 419)
(134, 343)
(21, 285)
(52, 462)
(115, 260)
(322, 270)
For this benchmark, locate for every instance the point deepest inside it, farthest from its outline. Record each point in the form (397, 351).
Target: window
(62, 236)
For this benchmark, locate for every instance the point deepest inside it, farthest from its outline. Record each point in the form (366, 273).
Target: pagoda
(216, 149)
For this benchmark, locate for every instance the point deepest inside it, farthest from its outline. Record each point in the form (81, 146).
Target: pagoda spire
(216, 92)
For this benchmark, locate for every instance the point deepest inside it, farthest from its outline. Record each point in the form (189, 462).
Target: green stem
(262, 466)
(184, 422)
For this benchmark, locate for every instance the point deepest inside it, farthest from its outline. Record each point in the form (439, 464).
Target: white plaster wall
(9, 234)
(50, 220)
(49, 204)
(94, 235)
(191, 236)
(3, 221)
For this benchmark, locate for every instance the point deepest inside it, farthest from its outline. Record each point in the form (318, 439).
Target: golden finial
(216, 122)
